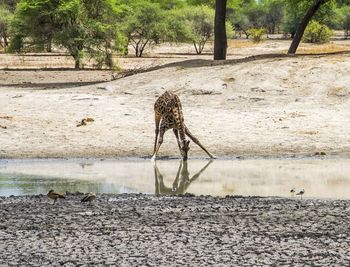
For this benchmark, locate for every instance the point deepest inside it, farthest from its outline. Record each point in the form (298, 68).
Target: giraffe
(168, 115)
(182, 180)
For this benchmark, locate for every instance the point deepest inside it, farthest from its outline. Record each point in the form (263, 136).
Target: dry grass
(322, 48)
(239, 43)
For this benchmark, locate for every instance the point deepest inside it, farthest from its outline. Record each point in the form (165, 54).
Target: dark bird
(301, 193)
(89, 197)
(53, 195)
(292, 190)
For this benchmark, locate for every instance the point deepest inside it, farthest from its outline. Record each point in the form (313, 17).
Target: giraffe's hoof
(153, 159)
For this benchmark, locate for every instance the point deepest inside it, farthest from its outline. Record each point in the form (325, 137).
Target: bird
(53, 195)
(301, 193)
(292, 190)
(89, 197)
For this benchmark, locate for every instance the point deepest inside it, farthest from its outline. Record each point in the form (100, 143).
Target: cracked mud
(135, 229)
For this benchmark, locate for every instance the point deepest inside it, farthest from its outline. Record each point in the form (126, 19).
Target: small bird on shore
(89, 197)
(301, 193)
(292, 190)
(53, 195)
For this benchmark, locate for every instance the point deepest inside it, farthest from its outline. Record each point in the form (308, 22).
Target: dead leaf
(84, 121)
(89, 119)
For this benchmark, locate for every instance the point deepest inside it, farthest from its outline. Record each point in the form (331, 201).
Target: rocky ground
(144, 230)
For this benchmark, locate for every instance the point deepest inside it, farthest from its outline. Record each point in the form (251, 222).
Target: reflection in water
(181, 182)
(29, 184)
(321, 178)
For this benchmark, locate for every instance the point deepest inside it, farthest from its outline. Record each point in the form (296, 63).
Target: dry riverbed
(144, 230)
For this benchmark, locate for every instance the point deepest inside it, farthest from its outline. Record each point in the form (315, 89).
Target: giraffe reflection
(181, 182)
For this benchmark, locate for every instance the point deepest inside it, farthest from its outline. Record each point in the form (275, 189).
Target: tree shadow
(198, 63)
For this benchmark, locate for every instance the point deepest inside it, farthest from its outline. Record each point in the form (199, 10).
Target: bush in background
(257, 34)
(317, 33)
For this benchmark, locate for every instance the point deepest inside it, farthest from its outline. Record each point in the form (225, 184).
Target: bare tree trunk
(303, 24)
(195, 46)
(220, 44)
(77, 63)
(6, 43)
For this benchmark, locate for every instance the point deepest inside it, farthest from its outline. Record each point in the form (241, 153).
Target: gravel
(147, 230)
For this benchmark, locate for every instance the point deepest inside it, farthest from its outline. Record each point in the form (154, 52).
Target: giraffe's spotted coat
(169, 115)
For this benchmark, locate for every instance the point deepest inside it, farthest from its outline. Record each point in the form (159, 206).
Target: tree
(34, 19)
(193, 24)
(144, 25)
(303, 24)
(80, 26)
(274, 10)
(5, 17)
(9, 4)
(245, 15)
(220, 43)
(294, 12)
(317, 33)
(210, 3)
(199, 21)
(170, 4)
(344, 17)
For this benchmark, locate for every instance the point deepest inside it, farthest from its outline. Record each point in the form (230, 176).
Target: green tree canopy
(80, 26)
(5, 18)
(144, 25)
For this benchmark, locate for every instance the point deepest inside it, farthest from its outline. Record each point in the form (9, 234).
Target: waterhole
(320, 178)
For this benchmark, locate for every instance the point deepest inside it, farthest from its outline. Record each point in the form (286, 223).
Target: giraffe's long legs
(162, 130)
(176, 132)
(176, 181)
(157, 117)
(194, 139)
(157, 177)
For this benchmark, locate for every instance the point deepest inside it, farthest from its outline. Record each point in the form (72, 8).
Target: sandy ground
(267, 105)
(141, 230)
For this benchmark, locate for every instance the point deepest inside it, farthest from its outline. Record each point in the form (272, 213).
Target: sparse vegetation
(317, 33)
(98, 29)
(5, 18)
(257, 34)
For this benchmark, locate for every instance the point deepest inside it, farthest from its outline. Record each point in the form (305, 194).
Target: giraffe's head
(185, 146)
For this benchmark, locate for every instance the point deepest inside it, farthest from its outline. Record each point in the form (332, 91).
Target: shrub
(317, 33)
(257, 34)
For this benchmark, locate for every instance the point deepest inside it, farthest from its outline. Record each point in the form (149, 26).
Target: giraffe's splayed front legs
(157, 117)
(194, 139)
(163, 129)
(168, 110)
(184, 145)
(157, 146)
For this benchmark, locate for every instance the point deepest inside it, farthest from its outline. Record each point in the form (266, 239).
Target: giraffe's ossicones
(168, 115)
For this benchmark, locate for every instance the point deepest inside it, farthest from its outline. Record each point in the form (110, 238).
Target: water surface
(321, 178)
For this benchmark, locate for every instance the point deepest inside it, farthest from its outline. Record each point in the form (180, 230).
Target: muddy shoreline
(137, 229)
